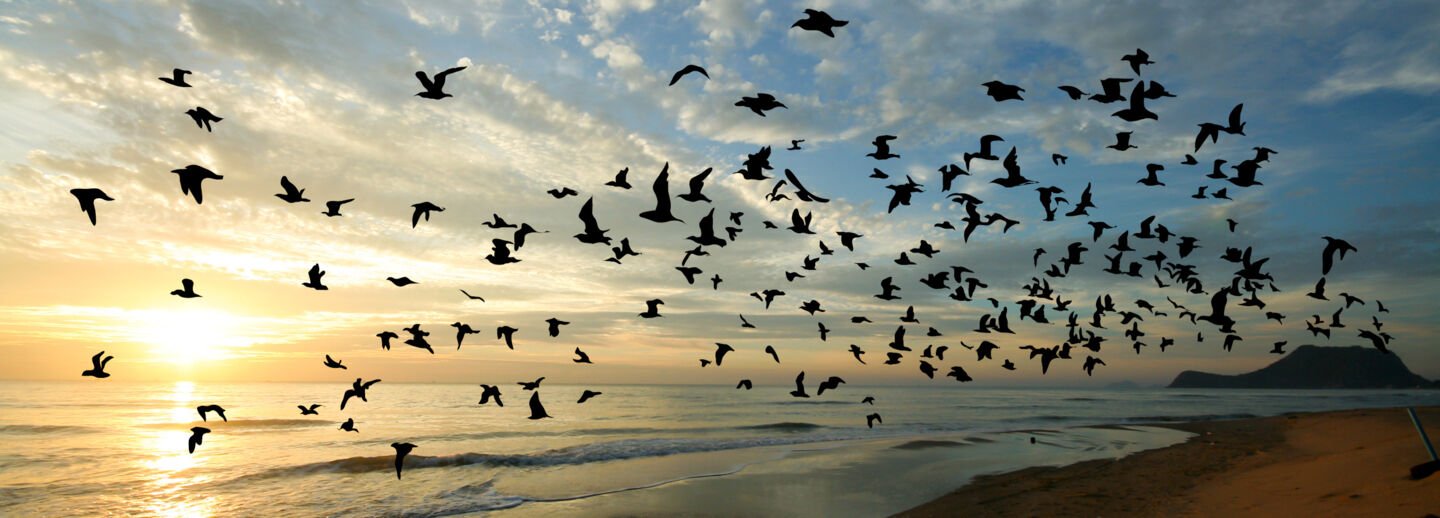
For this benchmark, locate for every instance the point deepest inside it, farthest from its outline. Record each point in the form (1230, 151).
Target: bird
(315, 274)
(1012, 173)
(743, 384)
(333, 363)
(593, 233)
(332, 208)
(799, 386)
(357, 389)
(525, 230)
(652, 308)
(1122, 141)
(1279, 347)
(1110, 90)
(190, 178)
(500, 253)
(831, 383)
(177, 78)
(203, 409)
(795, 145)
(769, 349)
(435, 89)
(555, 324)
(462, 329)
(385, 337)
(202, 117)
(959, 374)
(1151, 179)
(721, 350)
(531, 385)
(1327, 257)
(537, 410)
(586, 395)
(1136, 111)
(661, 213)
(857, 351)
(349, 425)
(186, 291)
(87, 198)
(697, 183)
(498, 222)
(619, 180)
(871, 419)
(400, 282)
(688, 69)
(423, 208)
(1074, 92)
(1319, 292)
(1137, 59)
(507, 334)
(761, 103)
(1090, 363)
(823, 331)
(582, 357)
(293, 195)
(1378, 341)
(819, 21)
(197, 434)
(97, 369)
(562, 192)
(401, 450)
(472, 297)
(1001, 92)
(309, 410)
(1058, 159)
(882, 148)
(490, 391)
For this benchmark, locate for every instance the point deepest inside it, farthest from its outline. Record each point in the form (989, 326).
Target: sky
(568, 93)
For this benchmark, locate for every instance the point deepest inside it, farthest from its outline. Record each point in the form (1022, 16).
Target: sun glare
(185, 337)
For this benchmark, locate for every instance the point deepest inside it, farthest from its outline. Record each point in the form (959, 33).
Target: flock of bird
(961, 283)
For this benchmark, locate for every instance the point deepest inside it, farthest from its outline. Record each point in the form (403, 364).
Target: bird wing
(290, 189)
(424, 80)
(440, 78)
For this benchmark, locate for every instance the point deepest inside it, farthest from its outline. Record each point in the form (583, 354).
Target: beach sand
(1345, 463)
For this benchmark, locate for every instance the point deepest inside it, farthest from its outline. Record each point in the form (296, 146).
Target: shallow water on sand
(69, 449)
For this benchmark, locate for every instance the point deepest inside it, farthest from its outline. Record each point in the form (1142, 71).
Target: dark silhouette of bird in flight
(562, 192)
(1136, 111)
(819, 21)
(857, 351)
(555, 324)
(332, 208)
(1074, 93)
(799, 386)
(893, 358)
(831, 383)
(190, 178)
(1156, 91)
(882, 148)
(948, 174)
(500, 253)
(1380, 307)
(417, 338)
(177, 78)
(795, 145)
(652, 308)
(581, 356)
(812, 307)
(798, 224)
(593, 233)
(1008, 365)
(697, 183)
(309, 410)
(823, 331)
(902, 193)
(871, 419)
(707, 236)
(1012, 172)
(1122, 141)
(507, 334)
(1279, 347)
(768, 296)
(293, 195)
(847, 239)
(537, 410)
(349, 425)
(761, 103)
(769, 349)
(87, 198)
(720, 351)
(1220, 194)
(878, 173)
(1090, 363)
(400, 282)
(746, 323)
(959, 374)
(1319, 291)
(186, 291)
(531, 385)
(357, 389)
(801, 192)
(1001, 92)
(401, 450)
(498, 222)
(624, 250)
(619, 180)
(333, 363)
(1152, 179)
(202, 117)
(1327, 257)
(462, 329)
(97, 369)
(385, 337)
(423, 208)
(586, 395)
(1058, 159)
(1378, 340)
(197, 434)
(435, 89)
(491, 391)
(525, 230)
(1110, 90)
(1189, 160)
(688, 69)
(1137, 59)
(1233, 124)
(743, 384)
(203, 409)
(315, 274)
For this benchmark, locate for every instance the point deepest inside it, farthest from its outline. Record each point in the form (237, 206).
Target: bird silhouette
(761, 103)
(537, 410)
(799, 386)
(1137, 59)
(309, 410)
(555, 324)
(462, 329)
(87, 198)
(507, 334)
(349, 425)
(400, 282)
(831, 383)
(435, 89)
(743, 384)
(1122, 141)
(1279, 347)
(769, 349)
(385, 337)
(697, 183)
(293, 195)
(871, 419)
(1327, 257)
(423, 208)
(1001, 92)
(498, 222)
(882, 148)
(562, 192)
(586, 395)
(1136, 111)
(177, 78)
(500, 253)
(581, 357)
(801, 192)
(652, 308)
(332, 208)
(202, 117)
(186, 291)
(619, 180)
(203, 409)
(1377, 340)
(197, 434)
(959, 374)
(1319, 292)
(531, 385)
(491, 391)
(857, 351)
(97, 369)
(795, 145)
(333, 363)
(1012, 172)
(1152, 179)
(1074, 93)
(401, 450)
(190, 178)
(593, 233)
(688, 69)
(1090, 363)
(819, 21)
(315, 275)
(357, 389)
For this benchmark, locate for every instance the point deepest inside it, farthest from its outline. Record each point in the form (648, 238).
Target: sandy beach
(1344, 463)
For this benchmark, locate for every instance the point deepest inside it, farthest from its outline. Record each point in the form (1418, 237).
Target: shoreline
(1335, 463)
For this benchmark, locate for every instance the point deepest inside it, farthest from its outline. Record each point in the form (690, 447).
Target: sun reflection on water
(172, 466)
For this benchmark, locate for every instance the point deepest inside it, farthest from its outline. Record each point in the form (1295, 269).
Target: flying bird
(619, 180)
(1001, 92)
(401, 450)
(761, 103)
(291, 194)
(190, 178)
(688, 69)
(315, 274)
(186, 291)
(537, 410)
(1327, 257)
(177, 78)
(1137, 59)
(652, 308)
(435, 89)
(799, 386)
(332, 208)
(202, 117)
(882, 148)
(586, 395)
(197, 434)
(581, 357)
(593, 233)
(423, 208)
(97, 369)
(819, 21)
(309, 410)
(203, 409)
(562, 192)
(87, 198)
(333, 363)
(490, 391)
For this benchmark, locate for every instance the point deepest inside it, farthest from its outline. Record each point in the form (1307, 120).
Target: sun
(189, 336)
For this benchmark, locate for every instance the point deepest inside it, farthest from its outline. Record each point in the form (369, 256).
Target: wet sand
(1344, 463)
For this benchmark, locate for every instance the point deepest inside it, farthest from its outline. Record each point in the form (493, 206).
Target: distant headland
(1312, 367)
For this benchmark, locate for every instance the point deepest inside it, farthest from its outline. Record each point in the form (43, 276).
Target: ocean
(100, 447)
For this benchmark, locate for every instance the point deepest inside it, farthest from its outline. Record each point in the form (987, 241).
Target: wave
(789, 426)
(812, 402)
(1085, 399)
(927, 443)
(1175, 418)
(247, 424)
(32, 429)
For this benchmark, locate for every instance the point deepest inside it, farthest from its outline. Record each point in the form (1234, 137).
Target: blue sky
(568, 93)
